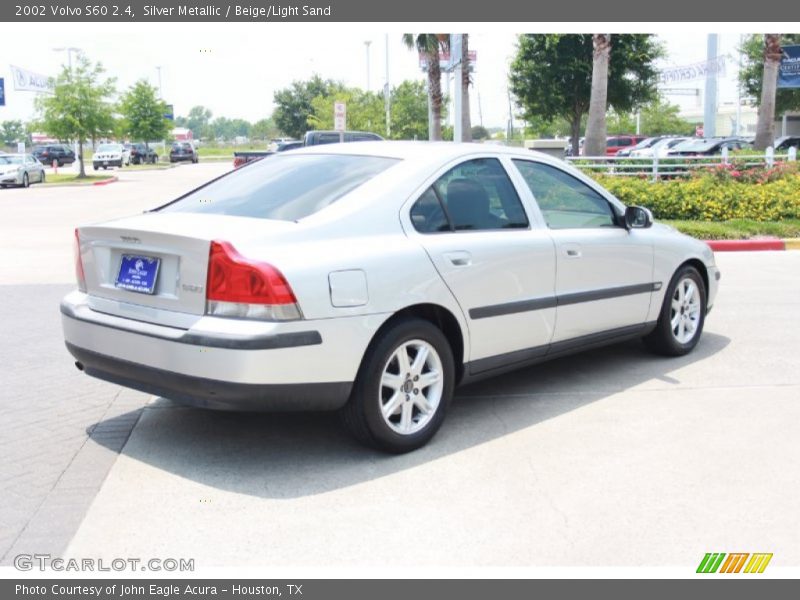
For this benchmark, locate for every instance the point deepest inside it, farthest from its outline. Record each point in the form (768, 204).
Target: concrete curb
(107, 181)
(753, 245)
(82, 184)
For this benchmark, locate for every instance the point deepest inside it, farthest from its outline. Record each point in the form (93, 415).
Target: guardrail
(678, 166)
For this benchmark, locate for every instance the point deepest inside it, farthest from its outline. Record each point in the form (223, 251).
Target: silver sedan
(373, 278)
(20, 170)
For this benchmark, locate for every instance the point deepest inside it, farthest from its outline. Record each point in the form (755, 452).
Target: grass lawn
(69, 178)
(738, 229)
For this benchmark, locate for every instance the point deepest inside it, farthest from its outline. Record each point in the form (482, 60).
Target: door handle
(572, 251)
(459, 258)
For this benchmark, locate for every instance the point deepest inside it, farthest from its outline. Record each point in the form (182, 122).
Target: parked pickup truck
(311, 138)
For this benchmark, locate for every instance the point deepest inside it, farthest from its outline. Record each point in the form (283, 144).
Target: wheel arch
(441, 318)
(701, 268)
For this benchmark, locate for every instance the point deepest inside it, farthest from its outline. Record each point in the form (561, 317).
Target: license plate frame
(135, 276)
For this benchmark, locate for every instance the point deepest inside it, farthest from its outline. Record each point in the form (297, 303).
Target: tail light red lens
(241, 287)
(79, 273)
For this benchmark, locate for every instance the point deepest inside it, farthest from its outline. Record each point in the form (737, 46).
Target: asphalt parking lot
(609, 458)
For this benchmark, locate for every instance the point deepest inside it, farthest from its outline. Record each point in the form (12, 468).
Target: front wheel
(25, 181)
(403, 388)
(682, 316)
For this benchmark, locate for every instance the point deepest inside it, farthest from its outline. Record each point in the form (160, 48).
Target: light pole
(367, 43)
(158, 68)
(69, 50)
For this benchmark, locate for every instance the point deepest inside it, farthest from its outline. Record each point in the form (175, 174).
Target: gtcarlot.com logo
(42, 562)
(736, 562)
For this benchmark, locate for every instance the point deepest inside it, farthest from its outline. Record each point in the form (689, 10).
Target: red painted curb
(106, 182)
(745, 245)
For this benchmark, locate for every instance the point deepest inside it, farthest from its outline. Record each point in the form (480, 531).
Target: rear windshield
(283, 187)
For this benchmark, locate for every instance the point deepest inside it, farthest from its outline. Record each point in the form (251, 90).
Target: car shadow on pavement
(290, 455)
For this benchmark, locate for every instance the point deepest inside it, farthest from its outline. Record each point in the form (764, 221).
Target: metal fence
(679, 166)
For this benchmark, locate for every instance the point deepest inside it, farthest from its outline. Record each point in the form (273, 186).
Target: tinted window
(328, 138)
(565, 202)
(475, 195)
(286, 187)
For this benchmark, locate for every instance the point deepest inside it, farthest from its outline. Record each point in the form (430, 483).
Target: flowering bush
(720, 194)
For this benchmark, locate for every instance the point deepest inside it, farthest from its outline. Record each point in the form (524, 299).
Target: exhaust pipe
(79, 365)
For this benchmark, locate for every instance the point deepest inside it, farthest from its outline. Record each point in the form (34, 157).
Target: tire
(683, 314)
(96, 167)
(25, 181)
(43, 177)
(408, 426)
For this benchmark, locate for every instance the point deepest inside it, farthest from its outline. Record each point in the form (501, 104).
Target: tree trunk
(466, 124)
(596, 126)
(435, 93)
(575, 134)
(765, 130)
(80, 160)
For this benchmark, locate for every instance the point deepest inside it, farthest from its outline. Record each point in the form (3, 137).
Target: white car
(20, 170)
(373, 278)
(111, 155)
(660, 149)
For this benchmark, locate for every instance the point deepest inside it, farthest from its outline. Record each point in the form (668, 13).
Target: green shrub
(715, 196)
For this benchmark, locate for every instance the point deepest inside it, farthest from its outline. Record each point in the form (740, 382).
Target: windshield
(10, 160)
(109, 148)
(283, 187)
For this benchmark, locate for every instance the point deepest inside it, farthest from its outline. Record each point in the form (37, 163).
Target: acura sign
(28, 81)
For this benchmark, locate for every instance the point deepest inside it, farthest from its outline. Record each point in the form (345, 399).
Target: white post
(724, 155)
(769, 155)
(386, 94)
(455, 60)
(367, 43)
(655, 166)
(792, 153)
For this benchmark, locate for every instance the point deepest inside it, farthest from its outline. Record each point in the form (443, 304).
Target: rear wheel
(682, 316)
(25, 181)
(403, 388)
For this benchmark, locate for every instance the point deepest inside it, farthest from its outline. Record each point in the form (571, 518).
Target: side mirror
(637, 217)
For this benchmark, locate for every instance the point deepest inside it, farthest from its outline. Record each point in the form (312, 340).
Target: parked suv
(140, 154)
(61, 153)
(182, 151)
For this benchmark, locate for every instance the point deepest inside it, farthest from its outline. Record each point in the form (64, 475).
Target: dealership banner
(698, 70)
(28, 81)
(2, 92)
(789, 69)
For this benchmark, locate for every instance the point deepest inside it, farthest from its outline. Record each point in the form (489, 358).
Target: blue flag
(789, 69)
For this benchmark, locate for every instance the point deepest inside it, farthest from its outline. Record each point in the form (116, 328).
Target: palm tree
(765, 129)
(595, 144)
(466, 124)
(429, 44)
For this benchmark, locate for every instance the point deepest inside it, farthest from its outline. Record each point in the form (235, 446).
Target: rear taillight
(79, 274)
(238, 161)
(247, 289)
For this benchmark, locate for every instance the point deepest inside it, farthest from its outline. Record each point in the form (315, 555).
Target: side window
(477, 195)
(328, 138)
(427, 214)
(565, 202)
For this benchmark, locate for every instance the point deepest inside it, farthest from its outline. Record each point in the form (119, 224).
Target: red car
(615, 143)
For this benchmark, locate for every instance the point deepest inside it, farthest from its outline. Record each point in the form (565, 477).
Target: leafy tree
(365, 110)
(479, 132)
(293, 104)
(429, 45)
(79, 107)
(551, 75)
(655, 118)
(143, 113)
(12, 132)
(409, 102)
(198, 121)
(752, 73)
(263, 129)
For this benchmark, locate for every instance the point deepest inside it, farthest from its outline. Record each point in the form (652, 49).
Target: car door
(474, 228)
(604, 272)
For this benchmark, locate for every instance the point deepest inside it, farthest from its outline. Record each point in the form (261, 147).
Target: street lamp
(158, 68)
(367, 43)
(69, 50)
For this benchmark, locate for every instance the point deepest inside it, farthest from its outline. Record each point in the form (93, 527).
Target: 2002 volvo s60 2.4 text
(372, 278)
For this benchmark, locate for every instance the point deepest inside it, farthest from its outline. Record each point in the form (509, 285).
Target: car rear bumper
(222, 363)
(211, 393)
